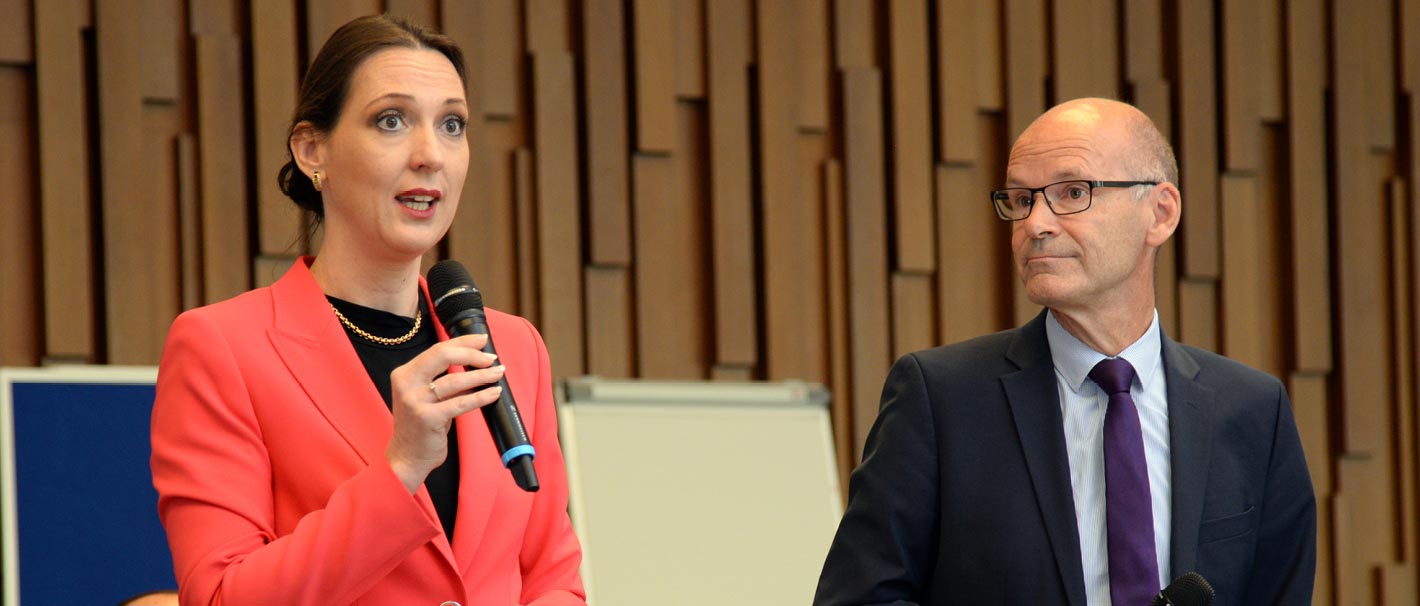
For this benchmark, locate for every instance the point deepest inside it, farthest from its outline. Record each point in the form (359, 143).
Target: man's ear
(1168, 209)
(307, 148)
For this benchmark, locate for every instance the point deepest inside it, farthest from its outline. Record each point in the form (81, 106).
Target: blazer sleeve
(550, 553)
(1286, 543)
(886, 543)
(213, 475)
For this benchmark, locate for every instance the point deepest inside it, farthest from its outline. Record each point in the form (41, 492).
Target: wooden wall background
(768, 189)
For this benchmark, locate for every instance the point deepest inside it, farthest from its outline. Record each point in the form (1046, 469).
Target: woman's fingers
(456, 383)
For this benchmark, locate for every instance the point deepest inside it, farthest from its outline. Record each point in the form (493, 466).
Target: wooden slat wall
(767, 189)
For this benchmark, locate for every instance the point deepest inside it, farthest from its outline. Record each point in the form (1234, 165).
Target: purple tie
(1129, 514)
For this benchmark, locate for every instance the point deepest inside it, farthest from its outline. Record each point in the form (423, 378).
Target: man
(1084, 458)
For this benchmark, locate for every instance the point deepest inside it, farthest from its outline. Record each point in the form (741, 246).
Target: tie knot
(1113, 375)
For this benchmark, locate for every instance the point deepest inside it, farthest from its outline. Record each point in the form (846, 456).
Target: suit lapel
(319, 355)
(1035, 408)
(315, 349)
(1190, 449)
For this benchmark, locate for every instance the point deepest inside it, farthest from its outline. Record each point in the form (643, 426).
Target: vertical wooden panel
(911, 132)
(1084, 28)
(1271, 62)
(1358, 218)
(814, 150)
(159, 213)
(611, 332)
(732, 212)
(547, 26)
(1025, 63)
(19, 232)
(867, 246)
(1244, 312)
(129, 321)
(492, 227)
(323, 17)
(189, 221)
(853, 40)
(815, 65)
(971, 254)
(842, 406)
(781, 210)
(1365, 516)
(1403, 305)
(1410, 56)
(160, 43)
(990, 71)
(1143, 41)
(1311, 240)
(912, 317)
(608, 167)
(1241, 84)
(64, 194)
(1197, 139)
(221, 144)
(221, 17)
(274, 80)
(689, 48)
(528, 244)
(500, 57)
(1377, 21)
(654, 25)
(957, 64)
(558, 212)
(17, 37)
(1198, 312)
(1309, 405)
(670, 284)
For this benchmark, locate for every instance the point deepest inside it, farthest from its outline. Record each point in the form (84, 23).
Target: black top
(380, 360)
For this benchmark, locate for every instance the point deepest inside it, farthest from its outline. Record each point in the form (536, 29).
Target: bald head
(1119, 128)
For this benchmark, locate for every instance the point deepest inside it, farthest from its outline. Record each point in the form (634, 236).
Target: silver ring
(435, 390)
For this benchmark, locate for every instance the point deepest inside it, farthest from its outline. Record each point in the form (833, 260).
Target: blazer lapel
(1190, 450)
(319, 355)
(1035, 407)
(316, 350)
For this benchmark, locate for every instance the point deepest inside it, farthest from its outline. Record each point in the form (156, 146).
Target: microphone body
(459, 305)
(1188, 590)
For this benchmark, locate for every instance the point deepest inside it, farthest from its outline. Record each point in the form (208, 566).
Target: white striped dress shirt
(1082, 406)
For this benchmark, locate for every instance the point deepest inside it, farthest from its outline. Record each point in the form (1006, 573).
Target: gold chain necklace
(418, 315)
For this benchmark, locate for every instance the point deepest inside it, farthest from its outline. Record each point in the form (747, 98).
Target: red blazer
(269, 460)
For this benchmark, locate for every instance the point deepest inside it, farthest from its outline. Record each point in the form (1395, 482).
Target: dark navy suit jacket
(964, 497)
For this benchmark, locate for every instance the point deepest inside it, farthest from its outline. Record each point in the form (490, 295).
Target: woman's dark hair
(327, 83)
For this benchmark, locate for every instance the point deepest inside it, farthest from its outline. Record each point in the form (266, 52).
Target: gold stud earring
(315, 179)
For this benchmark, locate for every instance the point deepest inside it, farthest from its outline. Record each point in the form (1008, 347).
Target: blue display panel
(80, 512)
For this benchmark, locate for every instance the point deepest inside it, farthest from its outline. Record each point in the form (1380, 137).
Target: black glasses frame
(998, 194)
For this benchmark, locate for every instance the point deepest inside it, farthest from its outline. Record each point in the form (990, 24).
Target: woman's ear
(307, 147)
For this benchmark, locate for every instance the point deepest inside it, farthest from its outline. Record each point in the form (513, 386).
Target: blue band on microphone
(518, 451)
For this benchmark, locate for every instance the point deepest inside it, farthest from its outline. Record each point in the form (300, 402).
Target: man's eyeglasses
(1063, 198)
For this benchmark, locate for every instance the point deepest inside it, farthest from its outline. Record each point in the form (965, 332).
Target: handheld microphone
(459, 305)
(1188, 590)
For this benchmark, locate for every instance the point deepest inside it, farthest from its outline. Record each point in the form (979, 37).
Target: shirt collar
(1074, 359)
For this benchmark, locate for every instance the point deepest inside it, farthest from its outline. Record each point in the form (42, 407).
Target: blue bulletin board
(80, 522)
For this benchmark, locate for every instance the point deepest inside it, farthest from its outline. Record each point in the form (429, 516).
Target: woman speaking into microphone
(309, 438)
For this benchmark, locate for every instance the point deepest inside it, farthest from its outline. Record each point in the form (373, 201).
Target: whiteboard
(700, 493)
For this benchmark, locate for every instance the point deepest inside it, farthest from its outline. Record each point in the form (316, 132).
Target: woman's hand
(424, 407)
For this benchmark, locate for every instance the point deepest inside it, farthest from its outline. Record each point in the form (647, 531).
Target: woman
(309, 439)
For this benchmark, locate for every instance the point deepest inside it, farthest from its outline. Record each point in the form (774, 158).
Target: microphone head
(1189, 590)
(453, 290)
